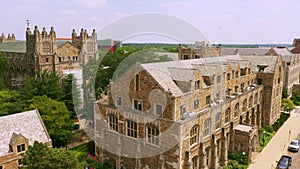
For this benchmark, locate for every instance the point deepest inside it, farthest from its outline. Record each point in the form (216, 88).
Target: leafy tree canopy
(44, 83)
(10, 102)
(56, 116)
(40, 156)
(4, 67)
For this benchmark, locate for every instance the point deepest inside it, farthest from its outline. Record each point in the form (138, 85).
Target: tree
(71, 96)
(44, 83)
(287, 104)
(56, 116)
(10, 102)
(40, 156)
(284, 92)
(4, 67)
(296, 97)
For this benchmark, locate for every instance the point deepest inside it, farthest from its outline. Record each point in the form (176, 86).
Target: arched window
(255, 98)
(113, 122)
(250, 101)
(245, 105)
(194, 135)
(46, 48)
(236, 110)
(137, 82)
(237, 74)
(227, 115)
(195, 161)
(207, 126)
(153, 134)
(218, 120)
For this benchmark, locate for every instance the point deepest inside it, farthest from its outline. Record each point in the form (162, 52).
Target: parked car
(294, 146)
(284, 163)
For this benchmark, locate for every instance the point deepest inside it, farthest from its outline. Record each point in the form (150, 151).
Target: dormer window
(21, 148)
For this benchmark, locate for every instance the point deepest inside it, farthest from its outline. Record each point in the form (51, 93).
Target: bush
(241, 159)
(283, 117)
(75, 126)
(232, 165)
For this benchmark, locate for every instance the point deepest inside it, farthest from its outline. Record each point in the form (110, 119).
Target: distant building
(42, 52)
(109, 45)
(17, 133)
(9, 38)
(198, 50)
(291, 64)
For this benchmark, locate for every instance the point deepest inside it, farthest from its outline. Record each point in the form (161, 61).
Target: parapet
(10, 38)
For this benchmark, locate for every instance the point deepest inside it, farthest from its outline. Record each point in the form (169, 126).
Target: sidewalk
(279, 143)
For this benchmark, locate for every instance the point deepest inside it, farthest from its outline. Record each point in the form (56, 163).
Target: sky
(221, 21)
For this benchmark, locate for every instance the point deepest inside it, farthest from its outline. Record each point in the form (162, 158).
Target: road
(296, 156)
(279, 143)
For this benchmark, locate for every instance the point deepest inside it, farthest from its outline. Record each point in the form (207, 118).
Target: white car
(294, 145)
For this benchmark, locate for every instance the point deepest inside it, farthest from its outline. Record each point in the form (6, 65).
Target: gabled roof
(262, 60)
(27, 124)
(281, 51)
(65, 43)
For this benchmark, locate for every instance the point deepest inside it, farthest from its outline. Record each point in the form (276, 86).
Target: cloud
(91, 3)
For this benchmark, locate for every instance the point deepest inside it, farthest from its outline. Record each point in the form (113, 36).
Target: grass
(80, 152)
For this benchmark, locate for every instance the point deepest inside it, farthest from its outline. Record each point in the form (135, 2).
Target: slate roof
(262, 60)
(282, 51)
(18, 47)
(168, 73)
(28, 124)
(244, 51)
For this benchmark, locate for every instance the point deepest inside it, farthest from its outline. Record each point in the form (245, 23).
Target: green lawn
(80, 152)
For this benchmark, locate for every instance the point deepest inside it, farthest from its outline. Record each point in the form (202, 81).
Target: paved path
(279, 143)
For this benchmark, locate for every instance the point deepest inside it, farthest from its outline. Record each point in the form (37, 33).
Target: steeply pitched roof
(282, 51)
(262, 60)
(28, 124)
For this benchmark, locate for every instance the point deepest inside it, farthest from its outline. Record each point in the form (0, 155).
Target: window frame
(113, 122)
(194, 135)
(207, 127)
(152, 135)
(136, 104)
(196, 104)
(119, 101)
(131, 129)
(155, 109)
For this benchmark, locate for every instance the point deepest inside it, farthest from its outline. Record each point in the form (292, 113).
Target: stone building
(198, 50)
(17, 132)
(43, 53)
(9, 38)
(291, 64)
(188, 114)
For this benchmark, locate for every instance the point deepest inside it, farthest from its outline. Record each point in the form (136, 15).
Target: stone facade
(9, 38)
(43, 53)
(210, 107)
(291, 64)
(198, 50)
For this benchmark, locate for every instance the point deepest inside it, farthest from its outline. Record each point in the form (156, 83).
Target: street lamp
(264, 132)
(244, 159)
